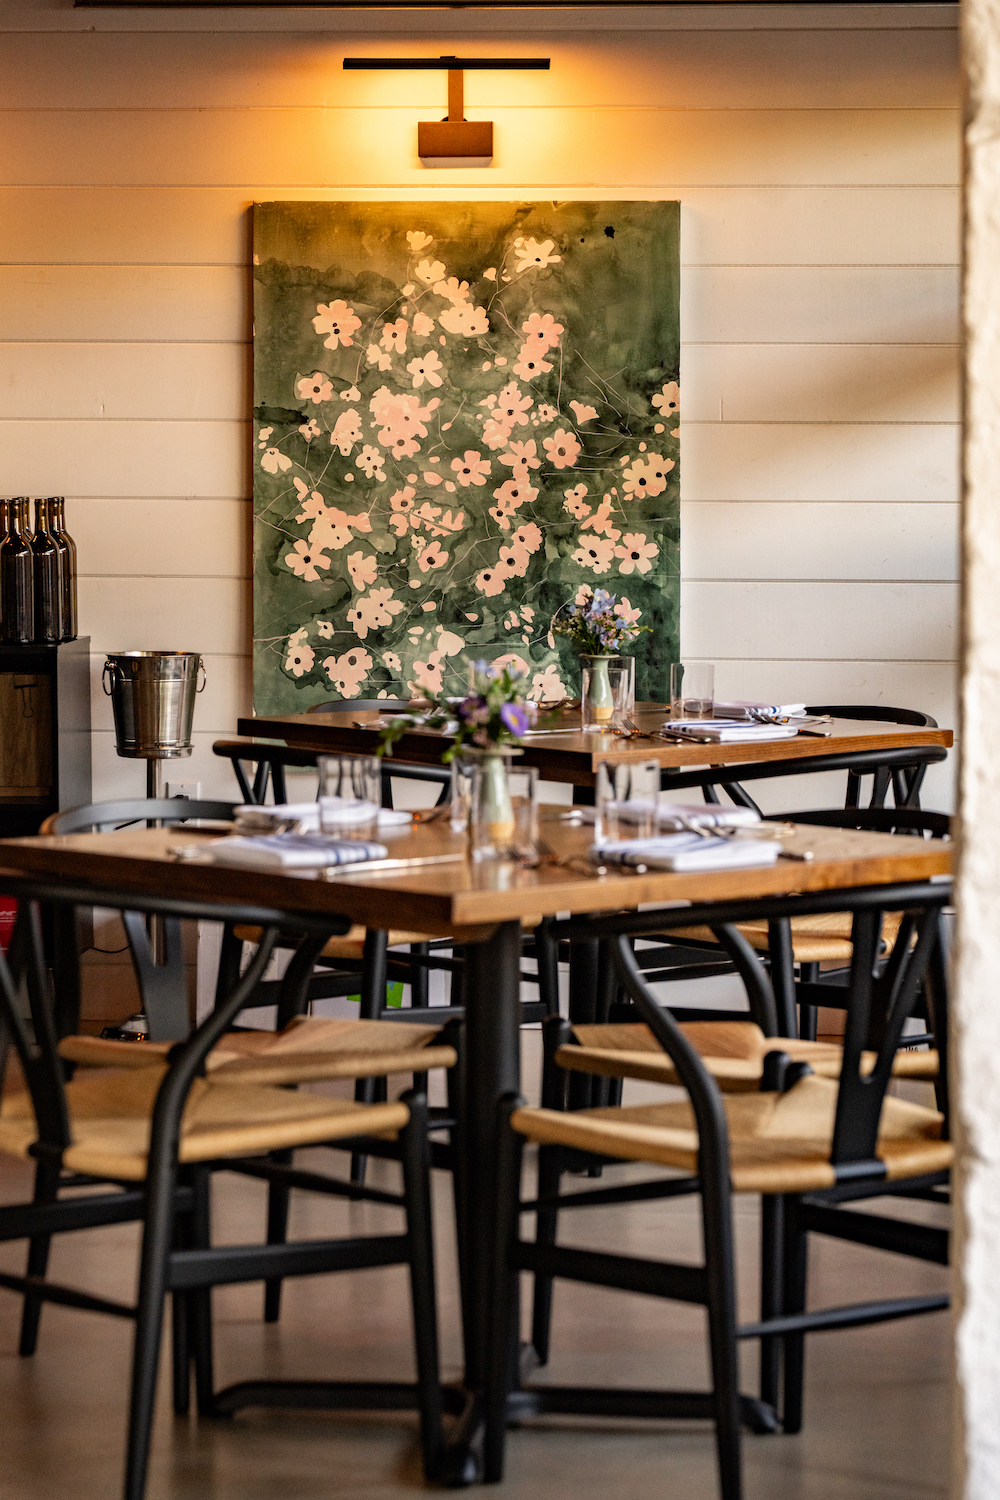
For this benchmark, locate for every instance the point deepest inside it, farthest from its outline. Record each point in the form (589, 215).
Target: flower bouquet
(486, 727)
(599, 628)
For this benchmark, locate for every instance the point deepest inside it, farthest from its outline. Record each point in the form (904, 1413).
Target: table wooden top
(573, 756)
(456, 897)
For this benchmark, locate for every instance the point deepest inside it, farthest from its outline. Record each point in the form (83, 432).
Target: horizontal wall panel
(226, 697)
(731, 226)
(63, 303)
(534, 148)
(744, 540)
(166, 614)
(837, 621)
(820, 382)
(832, 462)
(821, 304)
(805, 225)
(166, 538)
(114, 381)
(125, 458)
(694, 70)
(930, 687)
(117, 776)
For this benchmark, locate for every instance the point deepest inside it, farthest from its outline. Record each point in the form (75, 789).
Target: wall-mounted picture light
(454, 141)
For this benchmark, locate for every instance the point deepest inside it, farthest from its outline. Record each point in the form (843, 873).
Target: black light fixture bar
(452, 64)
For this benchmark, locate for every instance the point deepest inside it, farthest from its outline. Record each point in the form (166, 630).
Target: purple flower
(515, 718)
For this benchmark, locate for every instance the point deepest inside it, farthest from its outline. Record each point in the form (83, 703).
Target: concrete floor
(878, 1399)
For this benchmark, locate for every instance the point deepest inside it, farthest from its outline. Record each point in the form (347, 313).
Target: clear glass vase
(503, 804)
(607, 696)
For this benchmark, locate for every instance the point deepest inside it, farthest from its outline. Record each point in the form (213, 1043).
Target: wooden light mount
(454, 141)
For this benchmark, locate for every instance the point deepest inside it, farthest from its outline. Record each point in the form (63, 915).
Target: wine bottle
(67, 565)
(4, 527)
(47, 566)
(17, 626)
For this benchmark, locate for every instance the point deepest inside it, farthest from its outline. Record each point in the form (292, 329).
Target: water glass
(503, 809)
(461, 790)
(350, 795)
(692, 690)
(625, 801)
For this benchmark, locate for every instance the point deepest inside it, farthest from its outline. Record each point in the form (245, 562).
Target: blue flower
(515, 718)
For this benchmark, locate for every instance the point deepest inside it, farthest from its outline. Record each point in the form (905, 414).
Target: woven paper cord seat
(779, 1143)
(815, 940)
(310, 1048)
(111, 1109)
(733, 1052)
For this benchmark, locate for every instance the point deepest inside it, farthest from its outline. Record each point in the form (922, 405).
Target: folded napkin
(307, 814)
(294, 851)
(743, 708)
(687, 851)
(729, 731)
(677, 814)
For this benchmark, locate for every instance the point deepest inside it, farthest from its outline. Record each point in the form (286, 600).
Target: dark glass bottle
(17, 625)
(4, 524)
(47, 565)
(67, 565)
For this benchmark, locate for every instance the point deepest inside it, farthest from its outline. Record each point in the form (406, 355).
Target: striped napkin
(294, 851)
(687, 851)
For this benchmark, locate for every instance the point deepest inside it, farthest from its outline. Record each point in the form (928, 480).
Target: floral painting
(464, 413)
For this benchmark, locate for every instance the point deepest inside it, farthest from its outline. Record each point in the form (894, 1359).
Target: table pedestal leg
(493, 1069)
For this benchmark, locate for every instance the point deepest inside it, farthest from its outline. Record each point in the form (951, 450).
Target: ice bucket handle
(112, 667)
(204, 678)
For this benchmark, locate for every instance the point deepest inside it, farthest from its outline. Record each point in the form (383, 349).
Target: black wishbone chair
(808, 1144)
(155, 1133)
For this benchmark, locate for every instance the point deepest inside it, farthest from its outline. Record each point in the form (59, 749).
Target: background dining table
(431, 886)
(567, 753)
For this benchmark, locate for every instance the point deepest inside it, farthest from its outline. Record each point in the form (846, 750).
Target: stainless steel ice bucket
(152, 694)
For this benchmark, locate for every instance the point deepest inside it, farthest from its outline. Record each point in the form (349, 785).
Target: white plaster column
(976, 1001)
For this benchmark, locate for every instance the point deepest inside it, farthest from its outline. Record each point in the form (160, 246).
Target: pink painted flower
(304, 560)
(541, 332)
(472, 469)
(314, 388)
(338, 322)
(636, 553)
(562, 449)
(393, 338)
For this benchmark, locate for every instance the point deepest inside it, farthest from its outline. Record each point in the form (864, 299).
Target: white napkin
(729, 731)
(687, 851)
(307, 814)
(676, 814)
(294, 851)
(741, 708)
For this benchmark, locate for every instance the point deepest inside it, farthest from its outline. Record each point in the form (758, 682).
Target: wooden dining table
(563, 751)
(428, 884)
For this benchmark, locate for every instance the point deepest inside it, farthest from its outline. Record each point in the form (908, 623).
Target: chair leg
(771, 1289)
(200, 1300)
(546, 1229)
(278, 1197)
(547, 963)
(795, 1258)
(717, 1225)
(180, 1328)
(230, 961)
(808, 1014)
(501, 1376)
(373, 978)
(46, 1191)
(419, 979)
(416, 1185)
(153, 1282)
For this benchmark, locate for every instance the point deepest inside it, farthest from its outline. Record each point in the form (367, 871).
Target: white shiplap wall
(816, 156)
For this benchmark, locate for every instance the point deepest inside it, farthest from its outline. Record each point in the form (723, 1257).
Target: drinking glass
(625, 801)
(692, 689)
(350, 794)
(461, 790)
(503, 808)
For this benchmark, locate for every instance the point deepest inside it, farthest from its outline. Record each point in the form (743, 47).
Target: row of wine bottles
(37, 574)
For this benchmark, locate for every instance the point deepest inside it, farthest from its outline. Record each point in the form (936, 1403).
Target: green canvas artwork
(464, 413)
